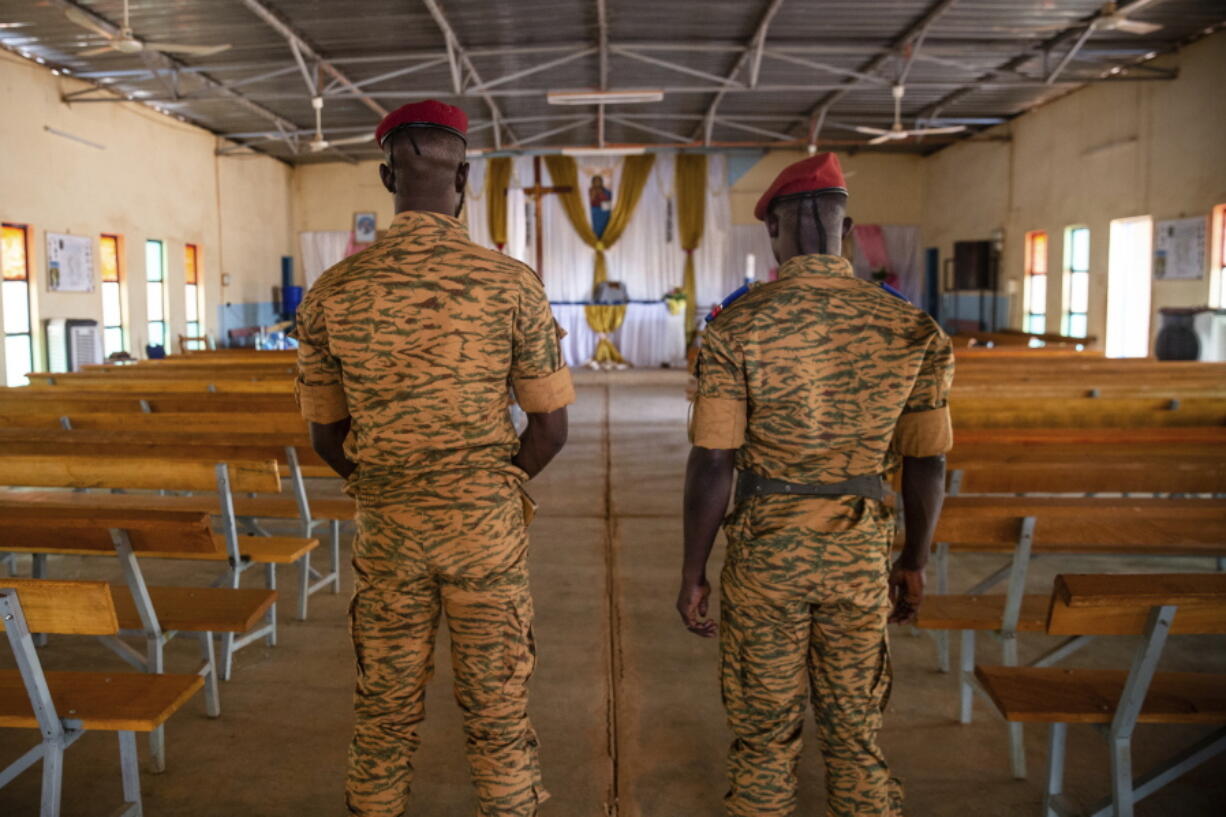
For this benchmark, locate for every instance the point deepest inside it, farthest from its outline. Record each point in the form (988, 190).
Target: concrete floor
(626, 701)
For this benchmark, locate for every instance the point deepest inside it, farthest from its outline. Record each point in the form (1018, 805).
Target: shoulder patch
(729, 301)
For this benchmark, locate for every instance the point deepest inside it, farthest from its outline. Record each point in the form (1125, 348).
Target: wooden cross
(538, 192)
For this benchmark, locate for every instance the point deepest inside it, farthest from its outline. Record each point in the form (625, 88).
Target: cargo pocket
(883, 680)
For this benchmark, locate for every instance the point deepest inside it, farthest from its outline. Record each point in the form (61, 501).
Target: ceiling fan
(125, 42)
(897, 131)
(1110, 18)
(319, 143)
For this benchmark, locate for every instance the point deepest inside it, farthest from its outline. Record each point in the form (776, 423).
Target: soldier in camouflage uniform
(407, 352)
(814, 386)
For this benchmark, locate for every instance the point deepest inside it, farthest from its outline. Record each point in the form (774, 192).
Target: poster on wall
(1179, 249)
(364, 231)
(70, 263)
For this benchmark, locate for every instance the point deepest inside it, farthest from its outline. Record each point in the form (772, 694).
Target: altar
(651, 335)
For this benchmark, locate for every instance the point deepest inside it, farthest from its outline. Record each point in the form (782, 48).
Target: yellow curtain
(690, 184)
(497, 180)
(603, 320)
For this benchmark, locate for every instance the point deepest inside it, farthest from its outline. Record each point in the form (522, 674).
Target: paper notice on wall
(70, 263)
(1179, 249)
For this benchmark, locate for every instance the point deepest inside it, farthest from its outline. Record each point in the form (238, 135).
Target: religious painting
(600, 200)
(364, 231)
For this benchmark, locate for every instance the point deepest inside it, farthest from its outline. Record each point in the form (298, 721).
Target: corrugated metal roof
(397, 50)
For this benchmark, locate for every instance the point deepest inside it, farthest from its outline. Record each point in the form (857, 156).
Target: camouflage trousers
(803, 614)
(459, 549)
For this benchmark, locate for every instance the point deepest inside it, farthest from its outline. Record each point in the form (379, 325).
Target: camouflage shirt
(820, 376)
(418, 338)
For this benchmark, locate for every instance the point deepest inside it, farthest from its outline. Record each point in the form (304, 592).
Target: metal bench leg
(966, 707)
(1121, 776)
(53, 777)
(270, 581)
(212, 700)
(38, 570)
(227, 655)
(1055, 768)
(336, 555)
(129, 766)
(304, 585)
(942, 636)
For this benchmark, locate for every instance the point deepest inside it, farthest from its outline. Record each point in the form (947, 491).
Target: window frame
(1217, 257)
(160, 281)
(121, 327)
(28, 303)
(1070, 271)
(1031, 275)
(193, 292)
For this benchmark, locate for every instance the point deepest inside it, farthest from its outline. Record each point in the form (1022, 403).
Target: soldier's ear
(461, 177)
(847, 225)
(772, 224)
(388, 176)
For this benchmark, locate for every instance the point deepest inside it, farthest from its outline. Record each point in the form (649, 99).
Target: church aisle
(629, 715)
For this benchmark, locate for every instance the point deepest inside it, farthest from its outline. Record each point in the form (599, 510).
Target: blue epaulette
(727, 302)
(894, 292)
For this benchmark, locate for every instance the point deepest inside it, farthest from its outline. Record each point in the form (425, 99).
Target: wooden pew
(238, 553)
(64, 705)
(64, 400)
(1154, 607)
(1083, 413)
(999, 472)
(291, 450)
(282, 385)
(156, 614)
(1024, 528)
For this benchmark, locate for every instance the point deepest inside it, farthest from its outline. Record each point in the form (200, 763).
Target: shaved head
(808, 225)
(425, 170)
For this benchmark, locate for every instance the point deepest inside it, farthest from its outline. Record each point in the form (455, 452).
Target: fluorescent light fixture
(628, 151)
(602, 97)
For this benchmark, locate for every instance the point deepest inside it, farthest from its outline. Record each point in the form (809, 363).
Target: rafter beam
(161, 61)
(535, 69)
(537, 137)
(917, 29)
(303, 50)
(630, 123)
(453, 44)
(1017, 61)
(756, 42)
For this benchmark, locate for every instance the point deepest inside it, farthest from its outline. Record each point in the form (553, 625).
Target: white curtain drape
(647, 258)
(321, 249)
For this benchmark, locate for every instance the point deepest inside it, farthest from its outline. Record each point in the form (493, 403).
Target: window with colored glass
(1036, 282)
(113, 335)
(1219, 261)
(155, 291)
(194, 293)
(15, 294)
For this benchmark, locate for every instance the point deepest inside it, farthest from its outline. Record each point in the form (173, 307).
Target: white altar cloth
(649, 337)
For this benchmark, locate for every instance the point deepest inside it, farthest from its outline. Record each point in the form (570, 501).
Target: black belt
(870, 486)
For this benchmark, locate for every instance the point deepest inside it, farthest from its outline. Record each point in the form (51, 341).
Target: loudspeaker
(973, 265)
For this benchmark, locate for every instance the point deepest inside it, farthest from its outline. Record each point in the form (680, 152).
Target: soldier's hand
(906, 593)
(692, 605)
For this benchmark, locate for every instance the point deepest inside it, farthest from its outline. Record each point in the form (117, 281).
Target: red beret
(429, 113)
(816, 174)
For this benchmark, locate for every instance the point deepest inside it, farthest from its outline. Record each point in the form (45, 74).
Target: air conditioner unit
(72, 343)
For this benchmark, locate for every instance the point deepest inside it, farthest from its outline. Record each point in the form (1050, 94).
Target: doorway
(1129, 285)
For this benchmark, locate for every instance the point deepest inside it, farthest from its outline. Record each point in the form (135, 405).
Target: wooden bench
(1082, 413)
(1105, 473)
(94, 382)
(239, 553)
(1026, 528)
(65, 400)
(64, 705)
(1154, 607)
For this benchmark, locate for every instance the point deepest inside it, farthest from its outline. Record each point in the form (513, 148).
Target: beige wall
(327, 195)
(1098, 154)
(156, 178)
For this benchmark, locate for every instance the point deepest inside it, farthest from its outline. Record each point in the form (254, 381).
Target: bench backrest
(994, 523)
(63, 400)
(136, 473)
(1077, 475)
(1087, 413)
(1120, 604)
(283, 385)
(64, 607)
(25, 527)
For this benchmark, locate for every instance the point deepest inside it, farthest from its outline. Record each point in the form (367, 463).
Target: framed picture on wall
(364, 228)
(70, 263)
